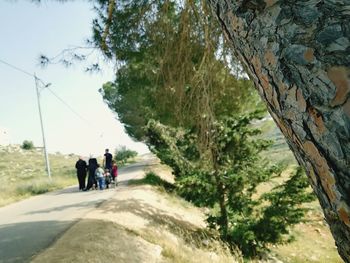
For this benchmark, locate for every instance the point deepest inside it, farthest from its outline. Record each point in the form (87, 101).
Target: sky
(28, 30)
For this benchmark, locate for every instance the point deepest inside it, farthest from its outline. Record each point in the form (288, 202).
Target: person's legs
(101, 183)
(90, 182)
(83, 179)
(79, 180)
(95, 182)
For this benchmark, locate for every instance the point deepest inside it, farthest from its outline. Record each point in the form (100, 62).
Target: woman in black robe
(81, 172)
(92, 166)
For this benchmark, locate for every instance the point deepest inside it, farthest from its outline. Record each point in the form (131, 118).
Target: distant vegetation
(23, 173)
(27, 145)
(122, 155)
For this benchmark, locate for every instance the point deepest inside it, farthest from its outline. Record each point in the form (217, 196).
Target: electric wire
(68, 106)
(45, 86)
(17, 68)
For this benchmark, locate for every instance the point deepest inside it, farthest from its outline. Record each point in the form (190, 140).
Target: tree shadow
(69, 190)
(157, 217)
(91, 204)
(20, 241)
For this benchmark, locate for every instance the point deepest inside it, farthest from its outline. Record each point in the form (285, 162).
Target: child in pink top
(114, 172)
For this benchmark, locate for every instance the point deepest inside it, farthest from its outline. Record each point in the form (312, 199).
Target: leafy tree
(168, 68)
(27, 145)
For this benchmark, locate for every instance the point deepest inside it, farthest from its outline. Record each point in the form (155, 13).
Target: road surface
(31, 225)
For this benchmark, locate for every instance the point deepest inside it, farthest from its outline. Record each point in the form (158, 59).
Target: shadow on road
(93, 203)
(19, 241)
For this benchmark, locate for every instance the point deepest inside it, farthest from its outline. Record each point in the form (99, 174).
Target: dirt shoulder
(138, 224)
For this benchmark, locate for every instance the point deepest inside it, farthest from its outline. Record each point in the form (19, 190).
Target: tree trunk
(223, 212)
(298, 55)
(220, 189)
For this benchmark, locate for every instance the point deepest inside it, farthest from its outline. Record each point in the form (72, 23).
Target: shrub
(27, 145)
(122, 155)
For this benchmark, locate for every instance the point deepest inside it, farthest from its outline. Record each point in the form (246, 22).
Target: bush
(27, 145)
(122, 155)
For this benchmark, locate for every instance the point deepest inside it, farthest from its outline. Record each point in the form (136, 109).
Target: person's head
(80, 157)
(107, 150)
(97, 165)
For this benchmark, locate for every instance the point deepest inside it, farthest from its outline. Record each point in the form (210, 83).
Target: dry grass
(313, 241)
(100, 241)
(23, 173)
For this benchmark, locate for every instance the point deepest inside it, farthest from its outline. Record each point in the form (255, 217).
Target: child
(99, 174)
(114, 172)
(107, 178)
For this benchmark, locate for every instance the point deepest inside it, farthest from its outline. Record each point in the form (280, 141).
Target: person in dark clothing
(81, 172)
(91, 168)
(107, 161)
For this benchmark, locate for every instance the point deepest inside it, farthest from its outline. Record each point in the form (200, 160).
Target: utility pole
(42, 128)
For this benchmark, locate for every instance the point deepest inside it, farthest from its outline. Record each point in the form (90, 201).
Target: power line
(17, 68)
(68, 106)
(51, 91)
(46, 86)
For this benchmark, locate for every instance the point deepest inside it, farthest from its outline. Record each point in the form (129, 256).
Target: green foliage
(285, 207)
(226, 180)
(270, 218)
(176, 147)
(167, 68)
(198, 187)
(122, 155)
(27, 145)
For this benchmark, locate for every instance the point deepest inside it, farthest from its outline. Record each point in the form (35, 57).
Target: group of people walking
(98, 177)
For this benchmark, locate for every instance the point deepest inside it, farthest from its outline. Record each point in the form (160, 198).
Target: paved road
(28, 226)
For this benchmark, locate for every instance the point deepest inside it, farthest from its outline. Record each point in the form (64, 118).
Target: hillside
(279, 151)
(23, 173)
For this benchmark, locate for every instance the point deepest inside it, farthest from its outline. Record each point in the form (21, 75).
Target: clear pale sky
(27, 30)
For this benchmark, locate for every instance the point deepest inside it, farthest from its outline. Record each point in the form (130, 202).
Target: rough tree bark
(298, 54)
